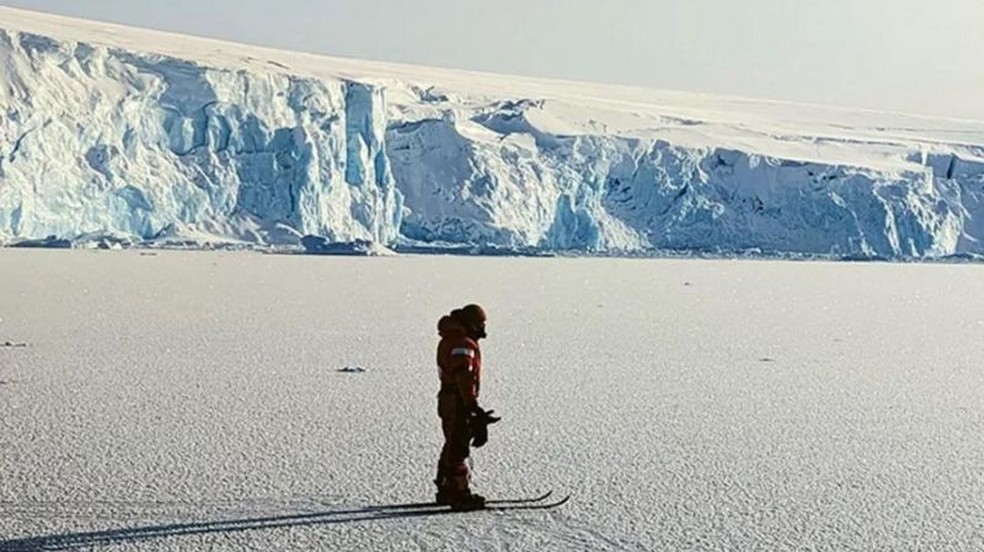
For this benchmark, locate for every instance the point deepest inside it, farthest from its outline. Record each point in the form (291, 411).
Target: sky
(911, 56)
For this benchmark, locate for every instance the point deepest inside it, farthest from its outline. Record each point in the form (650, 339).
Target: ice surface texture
(110, 131)
(204, 390)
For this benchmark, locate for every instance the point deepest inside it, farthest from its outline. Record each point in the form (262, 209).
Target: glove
(478, 424)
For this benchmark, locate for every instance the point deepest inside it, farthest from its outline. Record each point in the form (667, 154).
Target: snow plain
(687, 405)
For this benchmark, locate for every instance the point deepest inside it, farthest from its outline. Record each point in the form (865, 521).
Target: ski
(520, 501)
(488, 503)
(491, 505)
(435, 510)
(510, 506)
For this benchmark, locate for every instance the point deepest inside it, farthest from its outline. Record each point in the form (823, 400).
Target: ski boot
(444, 496)
(467, 501)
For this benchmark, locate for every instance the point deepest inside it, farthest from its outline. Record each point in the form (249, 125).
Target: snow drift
(139, 135)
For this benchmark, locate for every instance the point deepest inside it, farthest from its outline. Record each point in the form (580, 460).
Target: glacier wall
(102, 141)
(527, 188)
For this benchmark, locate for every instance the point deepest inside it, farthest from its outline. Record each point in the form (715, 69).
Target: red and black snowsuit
(459, 361)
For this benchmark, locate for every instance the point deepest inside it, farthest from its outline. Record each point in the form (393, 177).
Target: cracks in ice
(17, 145)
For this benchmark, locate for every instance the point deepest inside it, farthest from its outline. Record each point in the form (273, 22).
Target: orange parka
(459, 361)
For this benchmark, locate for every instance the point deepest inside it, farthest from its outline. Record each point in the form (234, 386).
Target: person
(459, 361)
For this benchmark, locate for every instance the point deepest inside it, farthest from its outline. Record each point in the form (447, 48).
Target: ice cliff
(124, 132)
(96, 140)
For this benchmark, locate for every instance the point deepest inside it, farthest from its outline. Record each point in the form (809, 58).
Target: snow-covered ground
(687, 405)
(109, 130)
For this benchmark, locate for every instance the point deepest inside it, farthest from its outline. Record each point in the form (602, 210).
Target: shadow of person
(69, 541)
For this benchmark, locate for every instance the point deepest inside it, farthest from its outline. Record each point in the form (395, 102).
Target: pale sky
(914, 56)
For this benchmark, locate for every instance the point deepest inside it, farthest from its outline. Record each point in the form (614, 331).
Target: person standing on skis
(464, 423)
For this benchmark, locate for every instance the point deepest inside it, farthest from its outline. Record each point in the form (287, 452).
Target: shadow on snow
(69, 541)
